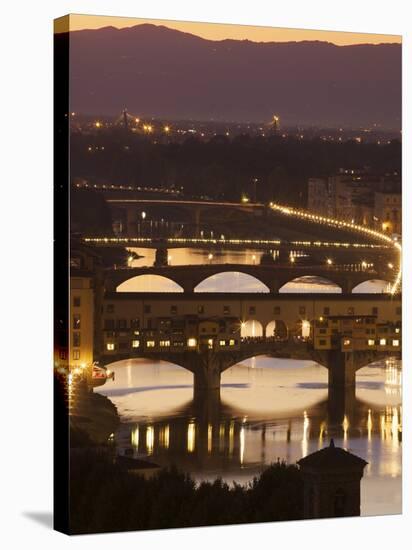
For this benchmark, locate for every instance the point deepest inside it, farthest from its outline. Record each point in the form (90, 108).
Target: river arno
(269, 409)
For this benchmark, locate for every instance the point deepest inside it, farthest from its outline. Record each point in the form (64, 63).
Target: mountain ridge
(167, 73)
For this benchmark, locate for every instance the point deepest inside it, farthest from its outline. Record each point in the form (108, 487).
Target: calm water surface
(269, 409)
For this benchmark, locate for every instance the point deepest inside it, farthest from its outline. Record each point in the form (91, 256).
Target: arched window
(251, 329)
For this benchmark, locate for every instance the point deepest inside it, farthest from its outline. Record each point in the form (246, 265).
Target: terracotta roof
(332, 457)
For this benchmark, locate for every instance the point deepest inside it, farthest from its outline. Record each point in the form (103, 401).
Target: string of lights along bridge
(386, 241)
(224, 240)
(336, 223)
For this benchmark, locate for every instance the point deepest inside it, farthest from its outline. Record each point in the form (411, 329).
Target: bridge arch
(372, 286)
(231, 281)
(149, 283)
(310, 284)
(277, 328)
(251, 329)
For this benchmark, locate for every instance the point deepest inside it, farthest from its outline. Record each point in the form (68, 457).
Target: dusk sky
(216, 31)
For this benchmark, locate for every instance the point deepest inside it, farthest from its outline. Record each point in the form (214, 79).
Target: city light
(289, 211)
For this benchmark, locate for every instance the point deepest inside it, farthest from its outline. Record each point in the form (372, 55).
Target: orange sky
(216, 31)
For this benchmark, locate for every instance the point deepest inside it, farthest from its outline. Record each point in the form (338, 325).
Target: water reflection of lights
(231, 437)
(135, 437)
(149, 439)
(393, 377)
(391, 425)
(322, 432)
(164, 436)
(221, 437)
(209, 438)
(305, 437)
(369, 425)
(191, 433)
(242, 444)
(345, 426)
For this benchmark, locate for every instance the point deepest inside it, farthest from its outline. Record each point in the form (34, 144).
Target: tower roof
(332, 458)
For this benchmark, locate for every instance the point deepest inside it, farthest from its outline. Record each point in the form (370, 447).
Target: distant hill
(154, 70)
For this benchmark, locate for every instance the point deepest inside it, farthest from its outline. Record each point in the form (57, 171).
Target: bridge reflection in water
(268, 410)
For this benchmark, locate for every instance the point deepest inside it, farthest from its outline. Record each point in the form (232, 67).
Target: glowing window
(382, 341)
(346, 342)
(192, 342)
(395, 342)
(164, 343)
(222, 342)
(150, 344)
(110, 346)
(371, 342)
(305, 329)
(135, 343)
(231, 342)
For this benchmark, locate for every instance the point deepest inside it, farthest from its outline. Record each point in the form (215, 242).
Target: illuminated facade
(388, 212)
(357, 197)
(355, 332)
(81, 321)
(131, 321)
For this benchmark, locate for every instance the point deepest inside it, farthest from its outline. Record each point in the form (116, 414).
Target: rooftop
(332, 457)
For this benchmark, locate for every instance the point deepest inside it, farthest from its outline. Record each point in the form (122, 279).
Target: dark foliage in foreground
(105, 497)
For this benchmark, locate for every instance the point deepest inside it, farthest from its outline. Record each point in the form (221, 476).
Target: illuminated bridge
(188, 278)
(351, 243)
(207, 334)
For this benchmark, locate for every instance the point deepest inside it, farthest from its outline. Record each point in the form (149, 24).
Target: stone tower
(331, 479)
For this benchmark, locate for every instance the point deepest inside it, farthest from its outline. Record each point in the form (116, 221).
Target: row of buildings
(359, 196)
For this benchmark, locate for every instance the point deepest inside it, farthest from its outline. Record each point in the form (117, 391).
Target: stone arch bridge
(207, 365)
(273, 277)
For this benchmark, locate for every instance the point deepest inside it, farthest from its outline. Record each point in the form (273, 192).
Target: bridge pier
(207, 404)
(342, 367)
(341, 404)
(207, 376)
(162, 257)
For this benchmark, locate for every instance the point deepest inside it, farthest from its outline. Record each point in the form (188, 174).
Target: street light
(143, 215)
(255, 181)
